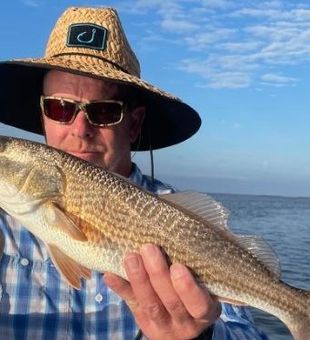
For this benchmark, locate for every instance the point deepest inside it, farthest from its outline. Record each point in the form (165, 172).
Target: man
(88, 96)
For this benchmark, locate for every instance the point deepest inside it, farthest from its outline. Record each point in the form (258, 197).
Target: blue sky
(243, 65)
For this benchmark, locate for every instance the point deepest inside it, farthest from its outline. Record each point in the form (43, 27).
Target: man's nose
(81, 127)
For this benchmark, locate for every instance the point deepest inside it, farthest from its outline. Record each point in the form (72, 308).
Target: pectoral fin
(70, 270)
(61, 220)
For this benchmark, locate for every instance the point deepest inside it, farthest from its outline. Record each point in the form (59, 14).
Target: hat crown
(93, 32)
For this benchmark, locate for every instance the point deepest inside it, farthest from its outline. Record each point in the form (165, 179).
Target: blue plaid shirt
(36, 304)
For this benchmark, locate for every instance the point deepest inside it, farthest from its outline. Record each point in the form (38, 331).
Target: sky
(243, 65)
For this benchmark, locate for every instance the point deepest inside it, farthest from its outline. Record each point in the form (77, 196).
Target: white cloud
(209, 37)
(241, 47)
(231, 80)
(151, 41)
(178, 26)
(257, 12)
(215, 76)
(301, 14)
(278, 80)
(231, 43)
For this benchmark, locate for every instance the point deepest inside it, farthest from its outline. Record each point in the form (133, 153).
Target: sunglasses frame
(82, 106)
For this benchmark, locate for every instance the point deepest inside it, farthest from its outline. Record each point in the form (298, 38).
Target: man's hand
(166, 302)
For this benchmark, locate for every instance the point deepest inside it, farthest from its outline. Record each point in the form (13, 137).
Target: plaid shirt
(36, 304)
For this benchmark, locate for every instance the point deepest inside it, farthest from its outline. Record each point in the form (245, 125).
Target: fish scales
(160, 218)
(92, 218)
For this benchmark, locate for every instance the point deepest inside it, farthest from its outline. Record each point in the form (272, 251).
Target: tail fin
(301, 329)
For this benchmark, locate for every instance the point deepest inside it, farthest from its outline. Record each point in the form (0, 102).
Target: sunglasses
(98, 113)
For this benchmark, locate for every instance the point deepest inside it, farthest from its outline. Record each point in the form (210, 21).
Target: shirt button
(24, 262)
(99, 297)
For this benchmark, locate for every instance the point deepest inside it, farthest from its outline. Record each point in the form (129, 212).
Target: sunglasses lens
(104, 113)
(59, 110)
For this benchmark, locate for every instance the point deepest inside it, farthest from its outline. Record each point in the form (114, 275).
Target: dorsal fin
(215, 213)
(201, 205)
(259, 247)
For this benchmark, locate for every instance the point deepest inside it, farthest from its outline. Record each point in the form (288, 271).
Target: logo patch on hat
(87, 35)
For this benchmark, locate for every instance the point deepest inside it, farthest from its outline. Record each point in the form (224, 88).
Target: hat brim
(168, 120)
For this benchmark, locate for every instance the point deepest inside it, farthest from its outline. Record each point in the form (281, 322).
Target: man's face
(108, 147)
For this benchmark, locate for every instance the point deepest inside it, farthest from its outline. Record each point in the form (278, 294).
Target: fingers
(122, 288)
(166, 301)
(158, 271)
(195, 298)
(147, 298)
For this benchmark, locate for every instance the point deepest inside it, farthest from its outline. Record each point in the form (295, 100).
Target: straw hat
(91, 42)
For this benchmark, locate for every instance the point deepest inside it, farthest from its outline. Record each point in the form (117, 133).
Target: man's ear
(137, 117)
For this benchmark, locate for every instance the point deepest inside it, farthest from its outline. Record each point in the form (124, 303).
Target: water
(285, 224)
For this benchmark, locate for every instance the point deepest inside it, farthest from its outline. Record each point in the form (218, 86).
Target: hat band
(93, 56)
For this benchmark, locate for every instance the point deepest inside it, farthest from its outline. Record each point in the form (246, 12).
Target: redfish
(89, 218)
